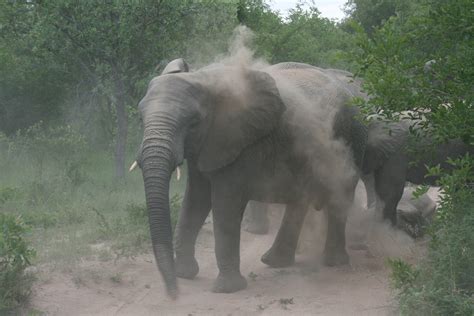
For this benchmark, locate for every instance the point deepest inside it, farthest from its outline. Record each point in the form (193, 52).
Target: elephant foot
(278, 259)
(186, 268)
(336, 258)
(229, 283)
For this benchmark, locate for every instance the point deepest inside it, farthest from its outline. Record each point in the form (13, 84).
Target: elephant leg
(282, 252)
(195, 208)
(335, 248)
(256, 218)
(369, 183)
(389, 185)
(227, 214)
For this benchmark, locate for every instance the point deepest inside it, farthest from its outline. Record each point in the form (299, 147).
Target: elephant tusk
(178, 173)
(133, 166)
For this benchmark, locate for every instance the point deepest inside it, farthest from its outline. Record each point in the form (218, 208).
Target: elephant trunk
(158, 163)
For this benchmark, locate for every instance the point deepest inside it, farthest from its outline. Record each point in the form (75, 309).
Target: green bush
(409, 64)
(444, 282)
(15, 257)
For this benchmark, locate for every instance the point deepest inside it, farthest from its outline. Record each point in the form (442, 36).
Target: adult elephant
(390, 161)
(282, 134)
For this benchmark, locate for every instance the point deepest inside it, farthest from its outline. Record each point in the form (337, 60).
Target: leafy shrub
(409, 64)
(15, 257)
(444, 283)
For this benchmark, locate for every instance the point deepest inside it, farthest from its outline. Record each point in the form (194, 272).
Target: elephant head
(207, 117)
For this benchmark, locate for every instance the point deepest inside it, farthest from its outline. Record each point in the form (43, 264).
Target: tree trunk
(122, 130)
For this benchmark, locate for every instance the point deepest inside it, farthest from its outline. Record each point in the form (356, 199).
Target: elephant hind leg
(282, 252)
(335, 248)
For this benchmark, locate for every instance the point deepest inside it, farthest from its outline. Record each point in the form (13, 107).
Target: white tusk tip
(133, 166)
(178, 173)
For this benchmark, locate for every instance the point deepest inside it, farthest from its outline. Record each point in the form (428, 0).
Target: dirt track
(307, 288)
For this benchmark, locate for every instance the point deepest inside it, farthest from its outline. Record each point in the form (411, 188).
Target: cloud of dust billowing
(365, 234)
(240, 54)
(314, 98)
(231, 83)
(317, 97)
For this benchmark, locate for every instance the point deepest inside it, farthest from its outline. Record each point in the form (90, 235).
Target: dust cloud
(364, 232)
(311, 114)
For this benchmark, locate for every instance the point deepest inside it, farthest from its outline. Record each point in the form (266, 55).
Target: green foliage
(371, 14)
(443, 283)
(7, 194)
(103, 54)
(15, 257)
(61, 145)
(438, 96)
(392, 63)
(305, 36)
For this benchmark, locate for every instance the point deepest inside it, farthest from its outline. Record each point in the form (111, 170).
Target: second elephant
(390, 161)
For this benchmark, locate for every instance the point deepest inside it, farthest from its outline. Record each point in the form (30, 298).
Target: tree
(31, 86)
(304, 36)
(371, 14)
(113, 46)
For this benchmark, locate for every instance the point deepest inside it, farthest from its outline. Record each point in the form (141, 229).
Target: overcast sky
(329, 8)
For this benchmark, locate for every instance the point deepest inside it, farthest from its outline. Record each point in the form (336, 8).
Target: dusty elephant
(281, 134)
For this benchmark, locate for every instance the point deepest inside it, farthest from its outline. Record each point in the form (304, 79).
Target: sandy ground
(134, 287)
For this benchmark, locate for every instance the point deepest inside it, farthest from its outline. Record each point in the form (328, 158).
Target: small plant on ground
(15, 257)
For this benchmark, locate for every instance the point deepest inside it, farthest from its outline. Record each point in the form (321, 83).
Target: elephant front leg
(335, 248)
(195, 208)
(282, 252)
(227, 215)
(389, 185)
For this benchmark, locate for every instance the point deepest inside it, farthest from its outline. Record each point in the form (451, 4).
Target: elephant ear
(175, 66)
(243, 113)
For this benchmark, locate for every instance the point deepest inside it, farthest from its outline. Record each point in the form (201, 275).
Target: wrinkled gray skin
(239, 152)
(388, 164)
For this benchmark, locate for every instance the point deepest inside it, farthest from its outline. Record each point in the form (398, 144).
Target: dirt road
(134, 287)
